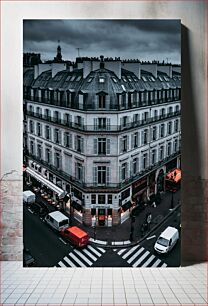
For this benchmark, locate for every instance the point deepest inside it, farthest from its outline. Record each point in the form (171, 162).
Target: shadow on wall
(194, 226)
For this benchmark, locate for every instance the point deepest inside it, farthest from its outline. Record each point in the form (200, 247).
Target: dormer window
(73, 78)
(144, 79)
(152, 78)
(160, 78)
(78, 78)
(89, 80)
(114, 80)
(124, 79)
(101, 101)
(101, 80)
(68, 78)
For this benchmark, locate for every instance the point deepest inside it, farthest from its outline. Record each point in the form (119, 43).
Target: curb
(121, 244)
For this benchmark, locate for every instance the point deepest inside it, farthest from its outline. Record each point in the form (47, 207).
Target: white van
(166, 240)
(57, 220)
(28, 197)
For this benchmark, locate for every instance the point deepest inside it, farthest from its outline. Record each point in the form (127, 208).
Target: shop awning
(126, 206)
(45, 182)
(77, 206)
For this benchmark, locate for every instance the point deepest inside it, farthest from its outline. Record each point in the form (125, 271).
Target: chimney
(134, 67)
(166, 69)
(114, 65)
(56, 67)
(102, 62)
(41, 68)
(150, 67)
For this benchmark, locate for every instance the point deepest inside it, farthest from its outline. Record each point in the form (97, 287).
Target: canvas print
(101, 143)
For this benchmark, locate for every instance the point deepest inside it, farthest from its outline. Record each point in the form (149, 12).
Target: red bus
(173, 180)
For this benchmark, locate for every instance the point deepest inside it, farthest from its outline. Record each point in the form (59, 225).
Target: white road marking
(60, 263)
(93, 250)
(30, 211)
(164, 265)
(83, 257)
(135, 255)
(140, 259)
(148, 261)
(69, 261)
(156, 263)
(151, 237)
(130, 251)
(90, 254)
(100, 249)
(77, 260)
(62, 240)
(121, 251)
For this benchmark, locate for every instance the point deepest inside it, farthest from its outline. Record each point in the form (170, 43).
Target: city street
(48, 249)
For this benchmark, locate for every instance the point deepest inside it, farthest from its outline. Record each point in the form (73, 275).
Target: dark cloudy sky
(142, 39)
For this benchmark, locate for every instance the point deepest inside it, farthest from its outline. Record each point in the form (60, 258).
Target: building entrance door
(101, 217)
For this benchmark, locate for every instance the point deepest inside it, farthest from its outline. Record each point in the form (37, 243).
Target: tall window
(93, 198)
(57, 136)
(162, 130)
(176, 125)
(170, 128)
(124, 143)
(79, 144)
(101, 145)
(79, 171)
(101, 199)
(145, 161)
(39, 151)
(153, 160)
(48, 155)
(169, 149)
(39, 129)
(134, 166)
(154, 133)
(67, 140)
(101, 101)
(135, 140)
(31, 147)
(161, 152)
(145, 136)
(47, 132)
(31, 127)
(101, 174)
(175, 145)
(124, 169)
(57, 160)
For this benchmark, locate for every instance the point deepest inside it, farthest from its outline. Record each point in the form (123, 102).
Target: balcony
(103, 128)
(112, 186)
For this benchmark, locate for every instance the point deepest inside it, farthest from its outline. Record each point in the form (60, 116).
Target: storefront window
(93, 198)
(101, 199)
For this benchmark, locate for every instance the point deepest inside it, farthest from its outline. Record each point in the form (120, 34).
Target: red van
(76, 236)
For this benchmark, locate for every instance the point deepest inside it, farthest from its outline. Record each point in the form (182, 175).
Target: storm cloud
(142, 39)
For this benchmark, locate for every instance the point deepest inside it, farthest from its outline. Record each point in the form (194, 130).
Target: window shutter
(95, 124)
(83, 173)
(82, 122)
(59, 137)
(70, 140)
(108, 145)
(65, 137)
(132, 141)
(120, 173)
(127, 141)
(120, 145)
(108, 124)
(95, 145)
(75, 142)
(76, 172)
(82, 145)
(95, 178)
(108, 175)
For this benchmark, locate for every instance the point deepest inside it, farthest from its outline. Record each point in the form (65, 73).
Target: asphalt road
(43, 243)
(49, 250)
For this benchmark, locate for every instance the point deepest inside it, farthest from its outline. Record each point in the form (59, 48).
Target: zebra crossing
(138, 256)
(82, 258)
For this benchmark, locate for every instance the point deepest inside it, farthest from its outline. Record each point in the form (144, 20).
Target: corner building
(104, 130)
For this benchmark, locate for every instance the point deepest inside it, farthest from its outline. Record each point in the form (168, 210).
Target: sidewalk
(120, 235)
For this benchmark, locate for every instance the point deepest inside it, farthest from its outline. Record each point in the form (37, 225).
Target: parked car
(76, 236)
(57, 220)
(166, 241)
(28, 260)
(28, 197)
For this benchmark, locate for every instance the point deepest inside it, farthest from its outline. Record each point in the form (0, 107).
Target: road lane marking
(77, 260)
(69, 261)
(121, 251)
(156, 263)
(164, 265)
(148, 261)
(90, 254)
(130, 251)
(93, 250)
(141, 259)
(135, 255)
(62, 240)
(60, 263)
(30, 211)
(151, 237)
(83, 257)
(100, 249)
